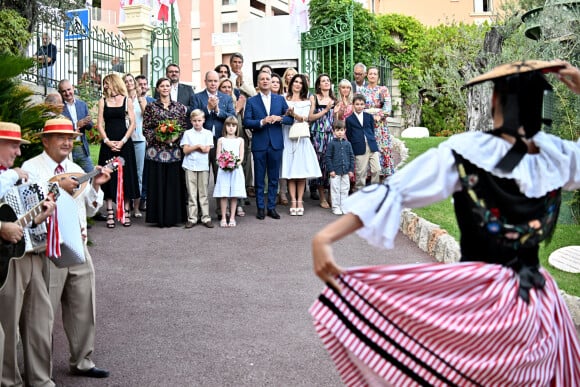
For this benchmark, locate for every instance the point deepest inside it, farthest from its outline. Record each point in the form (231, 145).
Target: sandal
(232, 223)
(127, 222)
(224, 223)
(300, 210)
(240, 212)
(110, 218)
(293, 209)
(137, 214)
(324, 204)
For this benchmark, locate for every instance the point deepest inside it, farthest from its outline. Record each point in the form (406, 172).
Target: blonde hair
(345, 82)
(231, 120)
(196, 113)
(285, 82)
(116, 86)
(233, 95)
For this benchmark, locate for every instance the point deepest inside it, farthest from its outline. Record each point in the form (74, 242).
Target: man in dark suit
(78, 112)
(360, 73)
(179, 92)
(360, 130)
(216, 106)
(264, 116)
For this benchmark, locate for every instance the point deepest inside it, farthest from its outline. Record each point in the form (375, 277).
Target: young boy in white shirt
(196, 144)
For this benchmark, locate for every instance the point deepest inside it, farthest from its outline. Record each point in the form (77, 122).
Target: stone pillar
(137, 29)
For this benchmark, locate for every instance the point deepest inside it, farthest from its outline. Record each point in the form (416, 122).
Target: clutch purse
(299, 129)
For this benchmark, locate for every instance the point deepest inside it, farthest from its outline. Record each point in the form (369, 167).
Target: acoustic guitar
(16, 250)
(83, 179)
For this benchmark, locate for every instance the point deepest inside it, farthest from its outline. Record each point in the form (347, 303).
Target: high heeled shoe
(293, 208)
(300, 210)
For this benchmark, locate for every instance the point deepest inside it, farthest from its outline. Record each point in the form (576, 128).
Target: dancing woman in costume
(496, 317)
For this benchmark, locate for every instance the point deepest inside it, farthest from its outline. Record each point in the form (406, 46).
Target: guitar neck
(30, 215)
(88, 176)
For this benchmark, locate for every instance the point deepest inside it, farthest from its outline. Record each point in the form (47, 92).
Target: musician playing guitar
(24, 299)
(74, 286)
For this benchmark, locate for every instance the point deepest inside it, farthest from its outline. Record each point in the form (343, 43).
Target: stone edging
(444, 248)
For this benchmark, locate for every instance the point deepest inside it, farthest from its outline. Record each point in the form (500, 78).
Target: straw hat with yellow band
(11, 131)
(521, 87)
(59, 126)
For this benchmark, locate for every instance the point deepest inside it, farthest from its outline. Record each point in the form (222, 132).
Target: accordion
(22, 199)
(26, 197)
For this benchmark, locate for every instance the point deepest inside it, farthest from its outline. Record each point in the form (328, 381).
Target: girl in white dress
(299, 160)
(230, 183)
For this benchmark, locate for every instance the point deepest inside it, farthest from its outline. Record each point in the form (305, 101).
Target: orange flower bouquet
(168, 131)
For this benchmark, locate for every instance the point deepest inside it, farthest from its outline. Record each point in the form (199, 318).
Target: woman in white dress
(299, 160)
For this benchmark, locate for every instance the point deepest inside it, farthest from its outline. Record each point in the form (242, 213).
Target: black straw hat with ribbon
(521, 87)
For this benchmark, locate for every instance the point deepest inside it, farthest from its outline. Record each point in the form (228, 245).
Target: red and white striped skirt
(457, 324)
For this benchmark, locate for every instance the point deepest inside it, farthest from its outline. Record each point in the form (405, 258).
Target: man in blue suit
(78, 112)
(265, 114)
(216, 106)
(360, 131)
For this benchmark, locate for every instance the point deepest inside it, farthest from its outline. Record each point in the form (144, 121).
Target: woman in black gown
(114, 107)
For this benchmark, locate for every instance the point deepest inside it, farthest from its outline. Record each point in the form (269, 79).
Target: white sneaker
(337, 212)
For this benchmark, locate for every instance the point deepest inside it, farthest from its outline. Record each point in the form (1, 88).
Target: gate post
(137, 29)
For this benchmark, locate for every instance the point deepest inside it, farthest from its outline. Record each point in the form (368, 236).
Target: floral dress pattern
(155, 113)
(321, 135)
(378, 102)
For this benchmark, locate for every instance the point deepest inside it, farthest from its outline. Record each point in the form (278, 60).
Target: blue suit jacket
(356, 133)
(82, 111)
(225, 106)
(269, 133)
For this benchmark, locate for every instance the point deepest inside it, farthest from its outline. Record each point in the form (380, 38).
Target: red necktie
(58, 170)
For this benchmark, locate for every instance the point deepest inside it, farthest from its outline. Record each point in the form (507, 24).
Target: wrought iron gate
(164, 49)
(329, 50)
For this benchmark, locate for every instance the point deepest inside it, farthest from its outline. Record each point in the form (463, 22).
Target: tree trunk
(479, 97)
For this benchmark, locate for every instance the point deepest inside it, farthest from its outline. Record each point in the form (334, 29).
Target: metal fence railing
(65, 49)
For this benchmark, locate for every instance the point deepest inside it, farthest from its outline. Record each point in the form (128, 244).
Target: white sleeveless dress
(230, 184)
(299, 158)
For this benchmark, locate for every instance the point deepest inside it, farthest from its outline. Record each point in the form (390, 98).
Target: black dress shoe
(92, 373)
(260, 215)
(314, 195)
(273, 214)
(99, 217)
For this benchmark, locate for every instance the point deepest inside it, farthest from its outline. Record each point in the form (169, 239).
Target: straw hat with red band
(59, 126)
(10, 131)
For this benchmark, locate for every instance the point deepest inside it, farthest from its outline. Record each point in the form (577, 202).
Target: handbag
(299, 129)
(127, 119)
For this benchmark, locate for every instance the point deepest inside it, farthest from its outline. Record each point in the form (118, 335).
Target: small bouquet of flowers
(168, 131)
(228, 161)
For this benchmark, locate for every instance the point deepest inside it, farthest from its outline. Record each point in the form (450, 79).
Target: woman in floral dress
(166, 192)
(322, 116)
(378, 103)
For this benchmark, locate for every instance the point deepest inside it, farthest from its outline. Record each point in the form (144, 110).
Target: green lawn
(441, 213)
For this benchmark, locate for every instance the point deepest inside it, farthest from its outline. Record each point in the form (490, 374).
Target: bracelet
(124, 140)
(105, 141)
